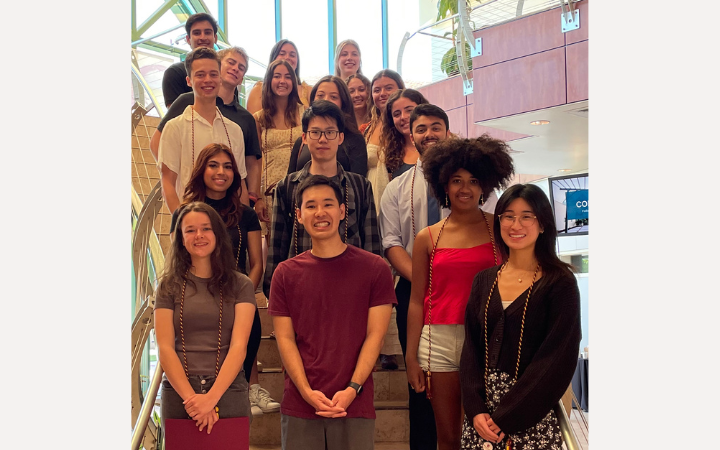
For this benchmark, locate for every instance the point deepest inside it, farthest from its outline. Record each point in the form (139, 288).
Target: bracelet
(217, 410)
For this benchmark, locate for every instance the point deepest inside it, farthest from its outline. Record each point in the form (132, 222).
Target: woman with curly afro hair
(462, 173)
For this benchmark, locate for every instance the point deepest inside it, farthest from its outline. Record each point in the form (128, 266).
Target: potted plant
(449, 62)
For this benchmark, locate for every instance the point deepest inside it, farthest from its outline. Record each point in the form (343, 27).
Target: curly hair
(178, 261)
(486, 158)
(368, 100)
(391, 139)
(375, 113)
(269, 107)
(195, 188)
(347, 106)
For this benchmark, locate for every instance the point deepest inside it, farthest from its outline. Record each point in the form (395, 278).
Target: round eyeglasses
(526, 220)
(329, 134)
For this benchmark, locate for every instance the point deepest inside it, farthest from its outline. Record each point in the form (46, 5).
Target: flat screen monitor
(569, 199)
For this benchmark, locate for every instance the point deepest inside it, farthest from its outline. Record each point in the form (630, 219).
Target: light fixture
(540, 122)
(564, 170)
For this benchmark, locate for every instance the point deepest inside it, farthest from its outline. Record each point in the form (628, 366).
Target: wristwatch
(358, 388)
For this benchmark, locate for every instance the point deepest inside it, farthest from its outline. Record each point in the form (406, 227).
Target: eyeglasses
(526, 220)
(329, 134)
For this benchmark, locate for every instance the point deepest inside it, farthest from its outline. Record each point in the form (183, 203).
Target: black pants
(423, 435)
(253, 346)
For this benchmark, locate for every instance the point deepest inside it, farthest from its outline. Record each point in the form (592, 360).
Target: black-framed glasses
(329, 134)
(526, 220)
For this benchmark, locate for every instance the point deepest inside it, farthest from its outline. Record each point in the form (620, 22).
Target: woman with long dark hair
(522, 332)
(383, 84)
(352, 153)
(204, 310)
(278, 126)
(400, 151)
(286, 50)
(359, 88)
(446, 256)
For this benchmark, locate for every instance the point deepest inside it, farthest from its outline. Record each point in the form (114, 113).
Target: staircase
(392, 423)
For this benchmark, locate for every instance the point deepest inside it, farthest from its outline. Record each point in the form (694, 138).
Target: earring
(447, 202)
(482, 199)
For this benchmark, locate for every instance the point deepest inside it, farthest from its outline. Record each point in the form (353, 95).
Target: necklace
(237, 258)
(428, 375)
(182, 333)
(264, 151)
(192, 125)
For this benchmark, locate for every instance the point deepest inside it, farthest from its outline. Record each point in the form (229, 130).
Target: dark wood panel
(577, 71)
(582, 33)
(447, 94)
(532, 34)
(521, 85)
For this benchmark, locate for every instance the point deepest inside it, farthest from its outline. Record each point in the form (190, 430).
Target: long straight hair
(347, 106)
(553, 268)
(178, 261)
(195, 190)
(269, 105)
(368, 99)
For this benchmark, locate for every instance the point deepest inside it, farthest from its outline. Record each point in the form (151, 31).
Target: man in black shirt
(234, 63)
(201, 29)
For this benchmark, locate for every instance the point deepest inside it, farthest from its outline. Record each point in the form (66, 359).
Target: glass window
(306, 24)
(362, 22)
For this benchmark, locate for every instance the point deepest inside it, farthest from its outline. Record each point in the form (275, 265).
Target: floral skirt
(543, 436)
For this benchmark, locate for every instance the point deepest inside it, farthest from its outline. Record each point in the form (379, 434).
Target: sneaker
(261, 398)
(255, 410)
(388, 362)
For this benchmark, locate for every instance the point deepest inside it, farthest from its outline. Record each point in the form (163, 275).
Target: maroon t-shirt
(328, 301)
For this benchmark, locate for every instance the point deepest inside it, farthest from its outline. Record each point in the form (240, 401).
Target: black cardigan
(550, 347)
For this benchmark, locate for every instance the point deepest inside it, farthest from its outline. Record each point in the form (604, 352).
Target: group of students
(349, 179)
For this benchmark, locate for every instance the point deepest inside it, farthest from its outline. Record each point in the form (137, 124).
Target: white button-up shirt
(176, 144)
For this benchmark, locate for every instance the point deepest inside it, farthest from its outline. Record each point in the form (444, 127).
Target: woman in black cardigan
(522, 332)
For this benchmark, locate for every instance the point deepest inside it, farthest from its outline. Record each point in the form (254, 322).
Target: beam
(332, 35)
(385, 36)
(150, 21)
(278, 20)
(222, 16)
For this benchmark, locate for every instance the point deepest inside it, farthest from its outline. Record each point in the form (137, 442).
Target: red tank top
(453, 272)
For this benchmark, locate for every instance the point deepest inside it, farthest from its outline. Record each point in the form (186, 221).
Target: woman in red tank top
(446, 257)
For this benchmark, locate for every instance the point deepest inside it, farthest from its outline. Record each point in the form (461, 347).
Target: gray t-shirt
(201, 312)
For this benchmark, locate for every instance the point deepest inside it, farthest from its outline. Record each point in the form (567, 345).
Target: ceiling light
(540, 122)
(564, 170)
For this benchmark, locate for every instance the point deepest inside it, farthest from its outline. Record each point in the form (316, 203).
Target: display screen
(571, 205)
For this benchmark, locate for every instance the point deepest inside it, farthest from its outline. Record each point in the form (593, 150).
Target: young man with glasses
(328, 357)
(323, 131)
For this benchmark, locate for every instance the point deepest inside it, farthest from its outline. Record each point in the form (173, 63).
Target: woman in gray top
(204, 311)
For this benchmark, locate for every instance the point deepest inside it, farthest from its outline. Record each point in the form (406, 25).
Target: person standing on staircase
(330, 320)
(200, 124)
(201, 29)
(407, 199)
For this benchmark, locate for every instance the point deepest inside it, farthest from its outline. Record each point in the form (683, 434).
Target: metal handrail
(568, 434)
(147, 406)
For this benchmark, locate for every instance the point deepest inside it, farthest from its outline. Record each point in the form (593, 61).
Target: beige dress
(377, 174)
(276, 146)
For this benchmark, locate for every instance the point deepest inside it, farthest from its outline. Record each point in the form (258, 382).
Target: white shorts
(447, 344)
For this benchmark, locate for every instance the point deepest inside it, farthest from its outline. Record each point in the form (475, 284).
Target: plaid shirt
(362, 232)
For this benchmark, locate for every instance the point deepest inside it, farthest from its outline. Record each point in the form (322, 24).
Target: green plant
(449, 61)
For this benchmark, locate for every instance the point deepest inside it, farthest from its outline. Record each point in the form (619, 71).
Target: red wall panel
(577, 71)
(521, 85)
(582, 33)
(447, 94)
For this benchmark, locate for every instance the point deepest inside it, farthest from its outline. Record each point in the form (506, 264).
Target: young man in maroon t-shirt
(331, 308)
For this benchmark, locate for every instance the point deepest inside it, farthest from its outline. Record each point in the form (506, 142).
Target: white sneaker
(261, 398)
(255, 410)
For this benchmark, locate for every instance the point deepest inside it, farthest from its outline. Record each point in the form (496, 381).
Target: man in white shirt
(202, 123)
(404, 197)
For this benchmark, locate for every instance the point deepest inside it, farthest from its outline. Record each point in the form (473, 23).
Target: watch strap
(357, 387)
